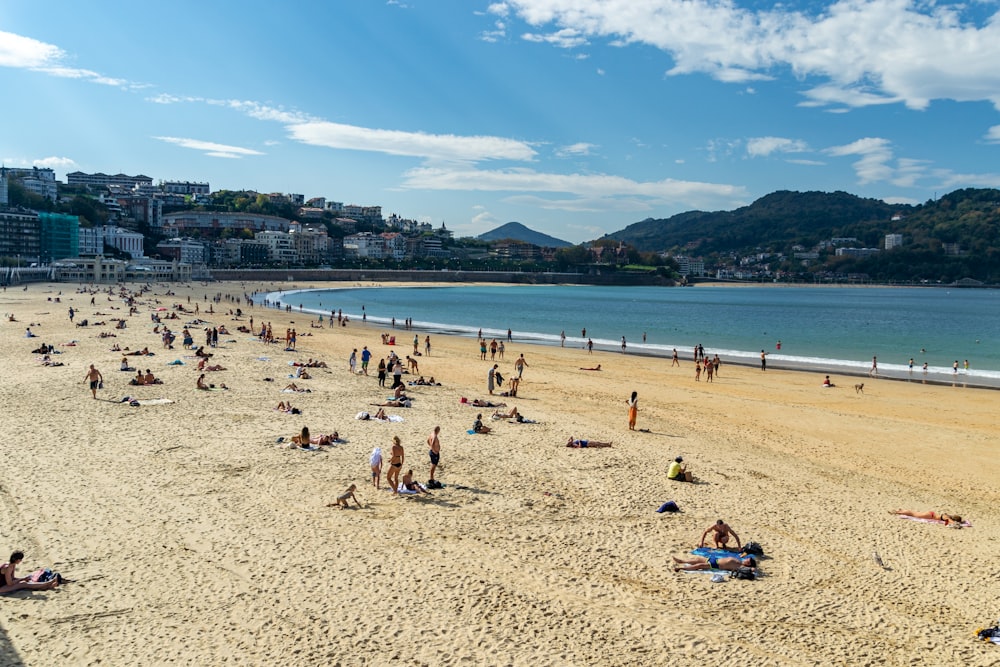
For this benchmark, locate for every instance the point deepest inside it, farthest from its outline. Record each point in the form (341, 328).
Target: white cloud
(862, 52)
(875, 155)
(993, 135)
(564, 39)
(416, 144)
(807, 163)
(54, 162)
(573, 150)
(26, 53)
(764, 146)
(592, 191)
(211, 148)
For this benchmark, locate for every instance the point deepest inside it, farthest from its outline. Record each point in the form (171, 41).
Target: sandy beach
(193, 537)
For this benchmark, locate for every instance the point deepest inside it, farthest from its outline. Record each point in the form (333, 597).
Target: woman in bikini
(10, 582)
(396, 458)
(930, 515)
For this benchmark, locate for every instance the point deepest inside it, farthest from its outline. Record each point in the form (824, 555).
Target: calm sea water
(838, 329)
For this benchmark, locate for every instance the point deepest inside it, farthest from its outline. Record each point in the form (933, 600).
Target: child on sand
(343, 500)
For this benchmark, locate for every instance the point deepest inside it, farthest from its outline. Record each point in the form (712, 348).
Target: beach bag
(988, 634)
(743, 573)
(753, 549)
(42, 575)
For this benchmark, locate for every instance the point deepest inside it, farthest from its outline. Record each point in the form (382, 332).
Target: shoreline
(938, 378)
(194, 536)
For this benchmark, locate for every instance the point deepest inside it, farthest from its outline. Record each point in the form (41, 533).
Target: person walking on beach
(427, 345)
(633, 410)
(366, 357)
(434, 443)
(95, 378)
(954, 367)
(491, 377)
(375, 460)
(676, 361)
(396, 458)
(353, 361)
(763, 360)
(562, 337)
(519, 366)
(590, 346)
(381, 372)
(874, 371)
(623, 344)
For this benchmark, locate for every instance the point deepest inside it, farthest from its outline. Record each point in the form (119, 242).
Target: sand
(193, 537)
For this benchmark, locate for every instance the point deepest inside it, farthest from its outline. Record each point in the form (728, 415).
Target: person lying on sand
(595, 368)
(930, 515)
(479, 403)
(585, 444)
(305, 439)
(513, 414)
(343, 500)
(713, 563)
(402, 403)
(291, 386)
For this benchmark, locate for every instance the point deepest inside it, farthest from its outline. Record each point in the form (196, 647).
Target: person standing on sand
(763, 360)
(95, 378)
(562, 337)
(434, 442)
(427, 345)
(633, 410)
(676, 361)
(874, 371)
(590, 346)
(375, 461)
(623, 344)
(491, 378)
(396, 458)
(353, 361)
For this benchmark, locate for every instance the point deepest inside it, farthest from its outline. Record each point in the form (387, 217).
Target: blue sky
(574, 117)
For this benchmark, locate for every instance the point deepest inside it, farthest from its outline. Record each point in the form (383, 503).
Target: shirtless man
(396, 458)
(721, 532)
(95, 378)
(713, 563)
(434, 442)
(578, 443)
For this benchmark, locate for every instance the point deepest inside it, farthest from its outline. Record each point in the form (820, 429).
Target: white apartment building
(104, 180)
(364, 245)
(893, 241)
(395, 245)
(185, 187)
(280, 247)
(41, 182)
(184, 250)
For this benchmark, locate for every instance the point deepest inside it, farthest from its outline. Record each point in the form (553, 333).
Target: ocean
(831, 329)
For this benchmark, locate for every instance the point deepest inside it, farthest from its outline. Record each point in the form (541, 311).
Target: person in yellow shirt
(679, 473)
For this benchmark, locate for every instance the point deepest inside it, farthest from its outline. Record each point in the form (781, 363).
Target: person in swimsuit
(585, 444)
(930, 515)
(10, 582)
(434, 442)
(343, 500)
(478, 426)
(713, 563)
(396, 458)
(720, 535)
(95, 378)
(410, 484)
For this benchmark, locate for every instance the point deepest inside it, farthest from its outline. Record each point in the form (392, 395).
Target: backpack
(988, 634)
(743, 573)
(753, 549)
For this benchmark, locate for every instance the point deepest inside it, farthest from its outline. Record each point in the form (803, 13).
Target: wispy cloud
(415, 144)
(861, 52)
(993, 135)
(764, 146)
(592, 191)
(22, 52)
(575, 150)
(875, 155)
(55, 162)
(211, 148)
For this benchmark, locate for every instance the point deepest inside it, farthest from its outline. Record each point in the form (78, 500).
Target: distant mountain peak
(518, 232)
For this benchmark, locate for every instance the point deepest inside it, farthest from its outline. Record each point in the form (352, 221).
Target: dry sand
(193, 538)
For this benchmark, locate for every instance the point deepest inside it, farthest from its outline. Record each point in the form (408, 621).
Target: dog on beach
(859, 388)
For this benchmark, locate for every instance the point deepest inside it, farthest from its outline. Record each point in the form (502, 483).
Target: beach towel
(175, 362)
(718, 553)
(149, 401)
(965, 524)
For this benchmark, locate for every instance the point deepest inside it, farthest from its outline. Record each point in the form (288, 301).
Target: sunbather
(713, 563)
(586, 444)
(930, 515)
